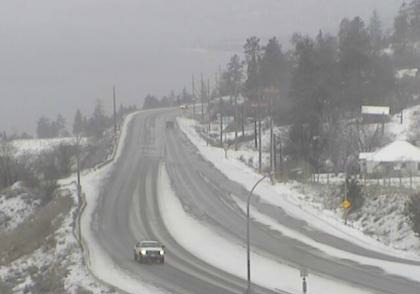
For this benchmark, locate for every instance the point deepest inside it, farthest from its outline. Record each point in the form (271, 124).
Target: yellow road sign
(346, 204)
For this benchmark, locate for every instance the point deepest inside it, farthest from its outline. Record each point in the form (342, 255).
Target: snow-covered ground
(246, 150)
(37, 146)
(231, 256)
(406, 73)
(302, 202)
(16, 207)
(29, 271)
(403, 131)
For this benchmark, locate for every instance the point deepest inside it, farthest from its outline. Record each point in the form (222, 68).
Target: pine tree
(78, 124)
(98, 120)
(414, 15)
(234, 75)
(43, 129)
(252, 50)
(401, 28)
(354, 58)
(272, 64)
(60, 125)
(152, 102)
(375, 32)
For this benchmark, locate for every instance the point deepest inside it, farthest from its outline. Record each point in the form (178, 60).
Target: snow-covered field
(28, 271)
(302, 202)
(16, 207)
(231, 256)
(37, 146)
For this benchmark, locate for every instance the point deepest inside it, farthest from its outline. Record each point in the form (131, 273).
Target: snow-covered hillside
(37, 146)
(16, 205)
(405, 130)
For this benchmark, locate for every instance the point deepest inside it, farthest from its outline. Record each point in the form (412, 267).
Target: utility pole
(248, 235)
(255, 128)
(202, 98)
(208, 92)
(243, 118)
(272, 141)
(115, 112)
(221, 122)
(208, 105)
(345, 189)
(275, 154)
(193, 94)
(216, 83)
(79, 186)
(236, 121)
(271, 136)
(259, 135)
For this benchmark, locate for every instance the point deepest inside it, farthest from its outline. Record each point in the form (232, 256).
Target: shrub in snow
(354, 193)
(413, 212)
(5, 289)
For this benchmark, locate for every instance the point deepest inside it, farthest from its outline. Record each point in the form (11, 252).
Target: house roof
(366, 155)
(397, 151)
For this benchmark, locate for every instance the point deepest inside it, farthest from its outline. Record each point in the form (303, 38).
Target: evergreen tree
(78, 126)
(98, 120)
(272, 65)
(171, 98)
(354, 58)
(414, 9)
(375, 32)
(252, 50)
(60, 125)
(401, 28)
(151, 102)
(164, 101)
(234, 75)
(304, 79)
(43, 129)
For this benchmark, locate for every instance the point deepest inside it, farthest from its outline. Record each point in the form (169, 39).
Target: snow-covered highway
(127, 209)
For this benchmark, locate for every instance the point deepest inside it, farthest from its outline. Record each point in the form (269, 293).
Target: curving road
(128, 211)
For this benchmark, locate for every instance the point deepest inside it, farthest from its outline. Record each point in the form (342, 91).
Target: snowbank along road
(128, 211)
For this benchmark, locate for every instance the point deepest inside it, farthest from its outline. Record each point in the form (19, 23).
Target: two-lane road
(128, 211)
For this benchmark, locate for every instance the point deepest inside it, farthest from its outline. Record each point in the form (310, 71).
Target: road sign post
(346, 206)
(304, 274)
(248, 235)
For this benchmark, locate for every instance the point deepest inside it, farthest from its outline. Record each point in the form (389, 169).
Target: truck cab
(149, 251)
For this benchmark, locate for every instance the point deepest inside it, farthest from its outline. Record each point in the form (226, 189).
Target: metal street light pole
(248, 251)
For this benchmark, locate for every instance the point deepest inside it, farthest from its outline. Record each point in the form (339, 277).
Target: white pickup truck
(149, 251)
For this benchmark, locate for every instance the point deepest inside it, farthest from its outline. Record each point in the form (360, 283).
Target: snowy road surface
(127, 210)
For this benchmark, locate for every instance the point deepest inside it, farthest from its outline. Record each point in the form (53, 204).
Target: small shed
(398, 156)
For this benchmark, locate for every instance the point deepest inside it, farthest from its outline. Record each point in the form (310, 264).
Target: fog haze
(58, 55)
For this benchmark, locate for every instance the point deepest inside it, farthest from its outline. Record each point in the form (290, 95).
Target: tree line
(320, 84)
(41, 172)
(93, 125)
(152, 101)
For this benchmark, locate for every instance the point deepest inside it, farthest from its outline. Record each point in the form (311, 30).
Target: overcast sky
(58, 55)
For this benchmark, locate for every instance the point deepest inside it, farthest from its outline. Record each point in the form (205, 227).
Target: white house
(397, 157)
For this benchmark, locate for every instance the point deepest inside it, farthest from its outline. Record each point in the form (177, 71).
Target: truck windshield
(149, 244)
